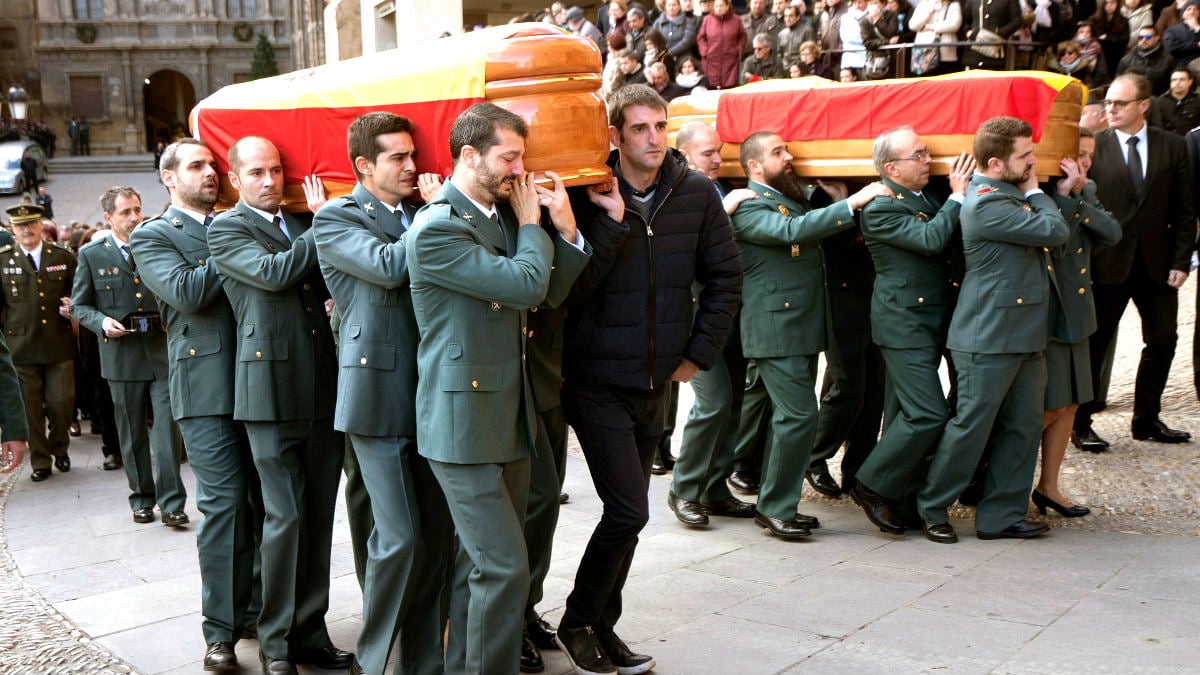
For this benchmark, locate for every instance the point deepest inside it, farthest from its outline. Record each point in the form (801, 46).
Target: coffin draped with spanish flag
(830, 126)
(548, 76)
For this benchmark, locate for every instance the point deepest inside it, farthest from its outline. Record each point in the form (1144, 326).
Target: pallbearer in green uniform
(784, 321)
(360, 241)
(13, 428)
(998, 336)
(906, 235)
(35, 298)
(110, 300)
(173, 258)
(285, 386)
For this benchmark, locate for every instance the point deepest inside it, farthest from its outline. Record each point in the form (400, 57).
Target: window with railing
(89, 9)
(241, 9)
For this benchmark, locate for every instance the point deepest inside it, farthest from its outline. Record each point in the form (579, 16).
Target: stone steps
(102, 164)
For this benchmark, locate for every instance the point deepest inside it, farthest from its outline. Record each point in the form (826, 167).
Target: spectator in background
(721, 39)
(854, 54)
(1070, 60)
(1112, 31)
(660, 81)
(577, 23)
(45, 201)
(616, 17)
(631, 68)
(690, 77)
(762, 64)
(938, 21)
(903, 11)
(878, 28)
(1003, 18)
(1179, 108)
(1170, 16)
(756, 21)
(828, 23)
(657, 52)
(811, 63)
(1150, 59)
(635, 31)
(1138, 15)
(677, 28)
(847, 75)
(1183, 39)
(794, 33)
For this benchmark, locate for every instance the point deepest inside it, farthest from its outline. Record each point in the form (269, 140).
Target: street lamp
(18, 103)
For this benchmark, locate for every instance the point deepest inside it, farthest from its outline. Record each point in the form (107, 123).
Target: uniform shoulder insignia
(6, 248)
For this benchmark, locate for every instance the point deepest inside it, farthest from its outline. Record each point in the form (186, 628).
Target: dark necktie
(1134, 160)
(504, 245)
(32, 262)
(128, 256)
(279, 223)
(207, 221)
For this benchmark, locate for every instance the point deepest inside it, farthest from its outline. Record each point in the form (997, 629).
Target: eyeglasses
(1068, 52)
(918, 156)
(1118, 104)
(1146, 36)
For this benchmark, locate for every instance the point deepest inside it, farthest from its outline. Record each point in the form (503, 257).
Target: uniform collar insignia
(467, 217)
(175, 220)
(369, 207)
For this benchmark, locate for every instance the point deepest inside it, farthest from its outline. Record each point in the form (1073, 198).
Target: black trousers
(1157, 305)
(619, 432)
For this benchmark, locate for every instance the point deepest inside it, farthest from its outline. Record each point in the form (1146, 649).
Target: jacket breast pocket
(108, 288)
(915, 298)
(195, 346)
(471, 377)
(1018, 297)
(368, 355)
(263, 349)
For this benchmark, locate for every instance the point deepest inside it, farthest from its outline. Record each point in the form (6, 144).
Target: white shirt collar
(269, 217)
(194, 215)
(487, 212)
(36, 252)
(1141, 134)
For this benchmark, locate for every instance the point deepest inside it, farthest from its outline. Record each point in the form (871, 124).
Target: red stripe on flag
(951, 106)
(313, 140)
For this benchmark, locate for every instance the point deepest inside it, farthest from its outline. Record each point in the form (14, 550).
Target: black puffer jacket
(630, 317)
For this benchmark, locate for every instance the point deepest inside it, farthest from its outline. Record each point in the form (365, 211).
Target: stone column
(389, 23)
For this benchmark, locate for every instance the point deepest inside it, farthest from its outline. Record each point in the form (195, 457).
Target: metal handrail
(901, 63)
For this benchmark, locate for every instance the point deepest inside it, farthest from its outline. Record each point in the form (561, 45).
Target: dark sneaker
(622, 656)
(583, 651)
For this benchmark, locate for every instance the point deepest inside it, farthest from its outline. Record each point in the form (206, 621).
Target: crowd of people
(437, 354)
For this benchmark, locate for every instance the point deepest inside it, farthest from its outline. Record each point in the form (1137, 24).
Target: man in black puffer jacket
(631, 331)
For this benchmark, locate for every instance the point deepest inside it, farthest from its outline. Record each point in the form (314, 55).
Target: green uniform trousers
(547, 471)
(149, 483)
(49, 393)
(754, 424)
(358, 511)
(790, 383)
(710, 434)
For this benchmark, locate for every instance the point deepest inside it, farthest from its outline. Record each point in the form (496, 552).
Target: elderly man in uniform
(35, 305)
(784, 318)
(110, 300)
(910, 307)
(285, 386)
(360, 243)
(478, 260)
(175, 264)
(998, 335)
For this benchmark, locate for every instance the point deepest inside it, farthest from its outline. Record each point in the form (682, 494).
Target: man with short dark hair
(478, 261)
(1148, 58)
(998, 335)
(657, 229)
(35, 279)
(110, 300)
(1144, 179)
(1180, 105)
(360, 242)
(173, 258)
(285, 388)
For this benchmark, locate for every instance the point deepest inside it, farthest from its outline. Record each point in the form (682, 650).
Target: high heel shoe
(1041, 501)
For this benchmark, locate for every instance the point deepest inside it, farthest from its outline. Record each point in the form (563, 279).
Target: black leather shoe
(1153, 429)
(74, 429)
(220, 657)
(563, 498)
(328, 657)
(276, 666)
(355, 669)
(1023, 529)
(178, 518)
(810, 522)
(877, 509)
(531, 658)
(688, 513)
(542, 634)
(622, 657)
(63, 463)
(143, 515)
(1087, 440)
(39, 475)
(113, 462)
(784, 529)
(941, 533)
(823, 482)
(743, 482)
(583, 651)
(662, 466)
(730, 507)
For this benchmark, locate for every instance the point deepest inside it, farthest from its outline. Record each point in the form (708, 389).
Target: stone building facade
(134, 68)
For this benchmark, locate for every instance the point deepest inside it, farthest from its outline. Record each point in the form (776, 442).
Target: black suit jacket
(1162, 221)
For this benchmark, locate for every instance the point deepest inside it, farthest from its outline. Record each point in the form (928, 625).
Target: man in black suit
(1146, 181)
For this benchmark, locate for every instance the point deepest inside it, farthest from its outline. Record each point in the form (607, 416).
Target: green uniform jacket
(1004, 304)
(906, 235)
(37, 334)
(286, 368)
(6, 238)
(783, 288)
(362, 255)
(474, 399)
(1091, 226)
(105, 286)
(172, 255)
(12, 407)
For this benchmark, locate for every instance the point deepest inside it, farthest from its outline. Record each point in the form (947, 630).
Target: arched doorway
(168, 97)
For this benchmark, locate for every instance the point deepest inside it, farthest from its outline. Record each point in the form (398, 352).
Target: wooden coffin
(541, 72)
(831, 127)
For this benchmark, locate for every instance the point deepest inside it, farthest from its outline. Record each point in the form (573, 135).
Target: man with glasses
(1146, 180)
(1149, 58)
(762, 64)
(910, 308)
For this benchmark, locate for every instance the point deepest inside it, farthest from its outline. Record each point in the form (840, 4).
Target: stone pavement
(85, 590)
